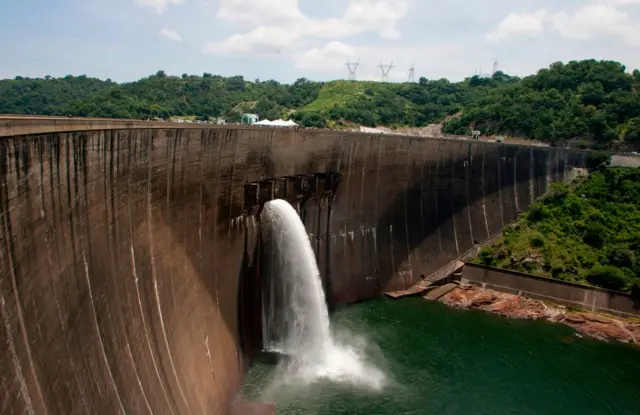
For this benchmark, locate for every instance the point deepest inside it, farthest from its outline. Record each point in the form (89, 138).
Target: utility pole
(495, 65)
(352, 67)
(385, 71)
(412, 73)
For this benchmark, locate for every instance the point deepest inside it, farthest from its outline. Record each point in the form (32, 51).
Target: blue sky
(288, 39)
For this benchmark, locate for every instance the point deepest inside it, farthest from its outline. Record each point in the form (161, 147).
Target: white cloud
(621, 2)
(599, 18)
(171, 34)
(516, 24)
(279, 23)
(331, 56)
(380, 15)
(262, 40)
(333, 28)
(260, 12)
(596, 20)
(159, 6)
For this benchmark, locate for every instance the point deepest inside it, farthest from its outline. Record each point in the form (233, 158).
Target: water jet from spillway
(295, 315)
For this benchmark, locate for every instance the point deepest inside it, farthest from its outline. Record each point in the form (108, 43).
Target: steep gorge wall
(124, 253)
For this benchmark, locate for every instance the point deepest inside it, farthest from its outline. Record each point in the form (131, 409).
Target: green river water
(443, 361)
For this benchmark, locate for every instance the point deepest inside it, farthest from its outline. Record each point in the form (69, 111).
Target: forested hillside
(589, 99)
(590, 233)
(594, 100)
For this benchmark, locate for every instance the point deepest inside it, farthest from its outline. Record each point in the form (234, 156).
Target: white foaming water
(295, 315)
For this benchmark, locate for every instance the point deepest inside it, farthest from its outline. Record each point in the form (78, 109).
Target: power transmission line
(352, 67)
(385, 71)
(412, 73)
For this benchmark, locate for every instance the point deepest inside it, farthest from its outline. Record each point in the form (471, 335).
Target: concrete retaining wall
(128, 258)
(561, 292)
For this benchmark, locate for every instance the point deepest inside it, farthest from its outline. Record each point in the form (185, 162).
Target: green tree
(587, 233)
(607, 276)
(632, 130)
(589, 100)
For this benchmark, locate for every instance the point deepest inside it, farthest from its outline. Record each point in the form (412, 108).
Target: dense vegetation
(159, 95)
(588, 233)
(592, 100)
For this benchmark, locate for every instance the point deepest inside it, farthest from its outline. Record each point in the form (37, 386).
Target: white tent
(276, 123)
(282, 123)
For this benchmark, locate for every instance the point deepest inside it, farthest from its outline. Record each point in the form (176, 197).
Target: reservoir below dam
(438, 360)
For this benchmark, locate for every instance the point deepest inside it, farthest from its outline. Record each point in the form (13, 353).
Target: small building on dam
(131, 262)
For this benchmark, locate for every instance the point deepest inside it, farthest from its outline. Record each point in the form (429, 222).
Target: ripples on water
(437, 360)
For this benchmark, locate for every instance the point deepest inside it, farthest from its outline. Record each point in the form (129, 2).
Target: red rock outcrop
(514, 306)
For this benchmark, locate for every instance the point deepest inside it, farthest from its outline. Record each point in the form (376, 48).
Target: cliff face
(130, 262)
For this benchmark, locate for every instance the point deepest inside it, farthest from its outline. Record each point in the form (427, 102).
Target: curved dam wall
(129, 258)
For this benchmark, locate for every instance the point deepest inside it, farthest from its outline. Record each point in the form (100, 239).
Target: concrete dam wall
(130, 259)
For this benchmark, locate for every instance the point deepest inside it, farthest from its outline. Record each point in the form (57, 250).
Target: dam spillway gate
(296, 189)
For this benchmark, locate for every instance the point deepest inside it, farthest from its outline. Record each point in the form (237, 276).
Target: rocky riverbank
(515, 306)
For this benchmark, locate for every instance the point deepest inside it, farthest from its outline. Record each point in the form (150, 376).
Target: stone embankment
(514, 306)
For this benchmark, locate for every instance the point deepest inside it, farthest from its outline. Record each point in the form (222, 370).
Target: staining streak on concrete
(130, 261)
